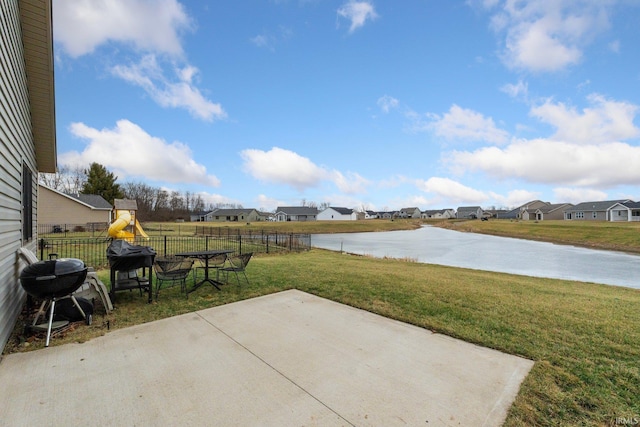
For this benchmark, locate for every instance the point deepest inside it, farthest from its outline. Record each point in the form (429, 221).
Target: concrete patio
(286, 359)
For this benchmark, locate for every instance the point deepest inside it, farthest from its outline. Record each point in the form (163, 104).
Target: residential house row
(607, 210)
(65, 208)
(610, 210)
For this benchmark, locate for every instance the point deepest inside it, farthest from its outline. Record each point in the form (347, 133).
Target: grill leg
(75, 302)
(41, 312)
(53, 306)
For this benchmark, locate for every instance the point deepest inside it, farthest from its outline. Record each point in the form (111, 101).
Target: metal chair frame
(237, 264)
(172, 269)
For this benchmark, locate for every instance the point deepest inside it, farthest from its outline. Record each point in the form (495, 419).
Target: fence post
(240, 243)
(165, 245)
(206, 242)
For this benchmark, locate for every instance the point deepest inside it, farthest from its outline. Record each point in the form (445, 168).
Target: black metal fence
(93, 250)
(93, 229)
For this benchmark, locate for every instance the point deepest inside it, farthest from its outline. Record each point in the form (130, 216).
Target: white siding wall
(16, 147)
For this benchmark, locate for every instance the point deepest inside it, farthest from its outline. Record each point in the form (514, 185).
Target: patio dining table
(205, 256)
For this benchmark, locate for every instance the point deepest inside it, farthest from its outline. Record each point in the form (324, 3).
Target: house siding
(58, 209)
(331, 214)
(16, 150)
(232, 215)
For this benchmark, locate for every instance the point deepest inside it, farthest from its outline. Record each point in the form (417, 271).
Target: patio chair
(172, 270)
(237, 264)
(216, 262)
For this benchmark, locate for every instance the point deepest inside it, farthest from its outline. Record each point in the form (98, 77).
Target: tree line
(154, 203)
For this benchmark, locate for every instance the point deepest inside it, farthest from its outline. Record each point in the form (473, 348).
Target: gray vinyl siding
(16, 149)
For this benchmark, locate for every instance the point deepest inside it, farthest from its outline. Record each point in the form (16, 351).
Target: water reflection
(435, 245)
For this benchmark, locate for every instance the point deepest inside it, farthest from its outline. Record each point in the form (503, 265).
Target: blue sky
(361, 104)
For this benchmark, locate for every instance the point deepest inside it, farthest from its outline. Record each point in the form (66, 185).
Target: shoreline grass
(615, 236)
(583, 337)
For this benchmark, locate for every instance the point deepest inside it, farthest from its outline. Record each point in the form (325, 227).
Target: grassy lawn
(584, 338)
(622, 236)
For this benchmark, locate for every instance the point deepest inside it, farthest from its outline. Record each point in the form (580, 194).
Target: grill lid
(57, 267)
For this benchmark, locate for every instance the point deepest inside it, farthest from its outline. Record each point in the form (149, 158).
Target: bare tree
(144, 195)
(68, 179)
(176, 202)
(198, 204)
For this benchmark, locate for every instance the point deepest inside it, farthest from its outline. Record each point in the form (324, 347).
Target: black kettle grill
(51, 281)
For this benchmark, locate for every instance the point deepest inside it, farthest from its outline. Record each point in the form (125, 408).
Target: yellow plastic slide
(117, 227)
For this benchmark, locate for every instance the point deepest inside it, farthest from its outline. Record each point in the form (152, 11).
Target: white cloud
(268, 203)
(514, 198)
(151, 28)
(452, 190)
(577, 195)
(387, 103)
(351, 183)
(463, 124)
(520, 89)
(547, 35)
(287, 167)
(283, 167)
(216, 199)
(128, 150)
(357, 12)
(585, 150)
(604, 121)
(555, 162)
(177, 93)
(262, 40)
(344, 201)
(614, 46)
(80, 26)
(270, 39)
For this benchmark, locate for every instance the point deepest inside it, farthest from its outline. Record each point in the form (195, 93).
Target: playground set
(124, 224)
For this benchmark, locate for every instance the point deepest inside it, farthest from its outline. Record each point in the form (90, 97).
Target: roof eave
(37, 40)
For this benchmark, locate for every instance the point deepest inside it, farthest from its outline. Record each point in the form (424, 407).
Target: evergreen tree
(101, 181)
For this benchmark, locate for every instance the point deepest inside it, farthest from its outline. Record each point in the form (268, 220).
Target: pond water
(435, 245)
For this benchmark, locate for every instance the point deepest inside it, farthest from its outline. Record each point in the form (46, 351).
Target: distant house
(198, 216)
(386, 215)
(634, 208)
(536, 210)
(439, 214)
(627, 211)
(410, 213)
(528, 210)
(512, 214)
(27, 140)
(495, 213)
(263, 216)
(371, 215)
(296, 213)
(551, 211)
(337, 214)
(233, 215)
(469, 212)
(593, 211)
(58, 208)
